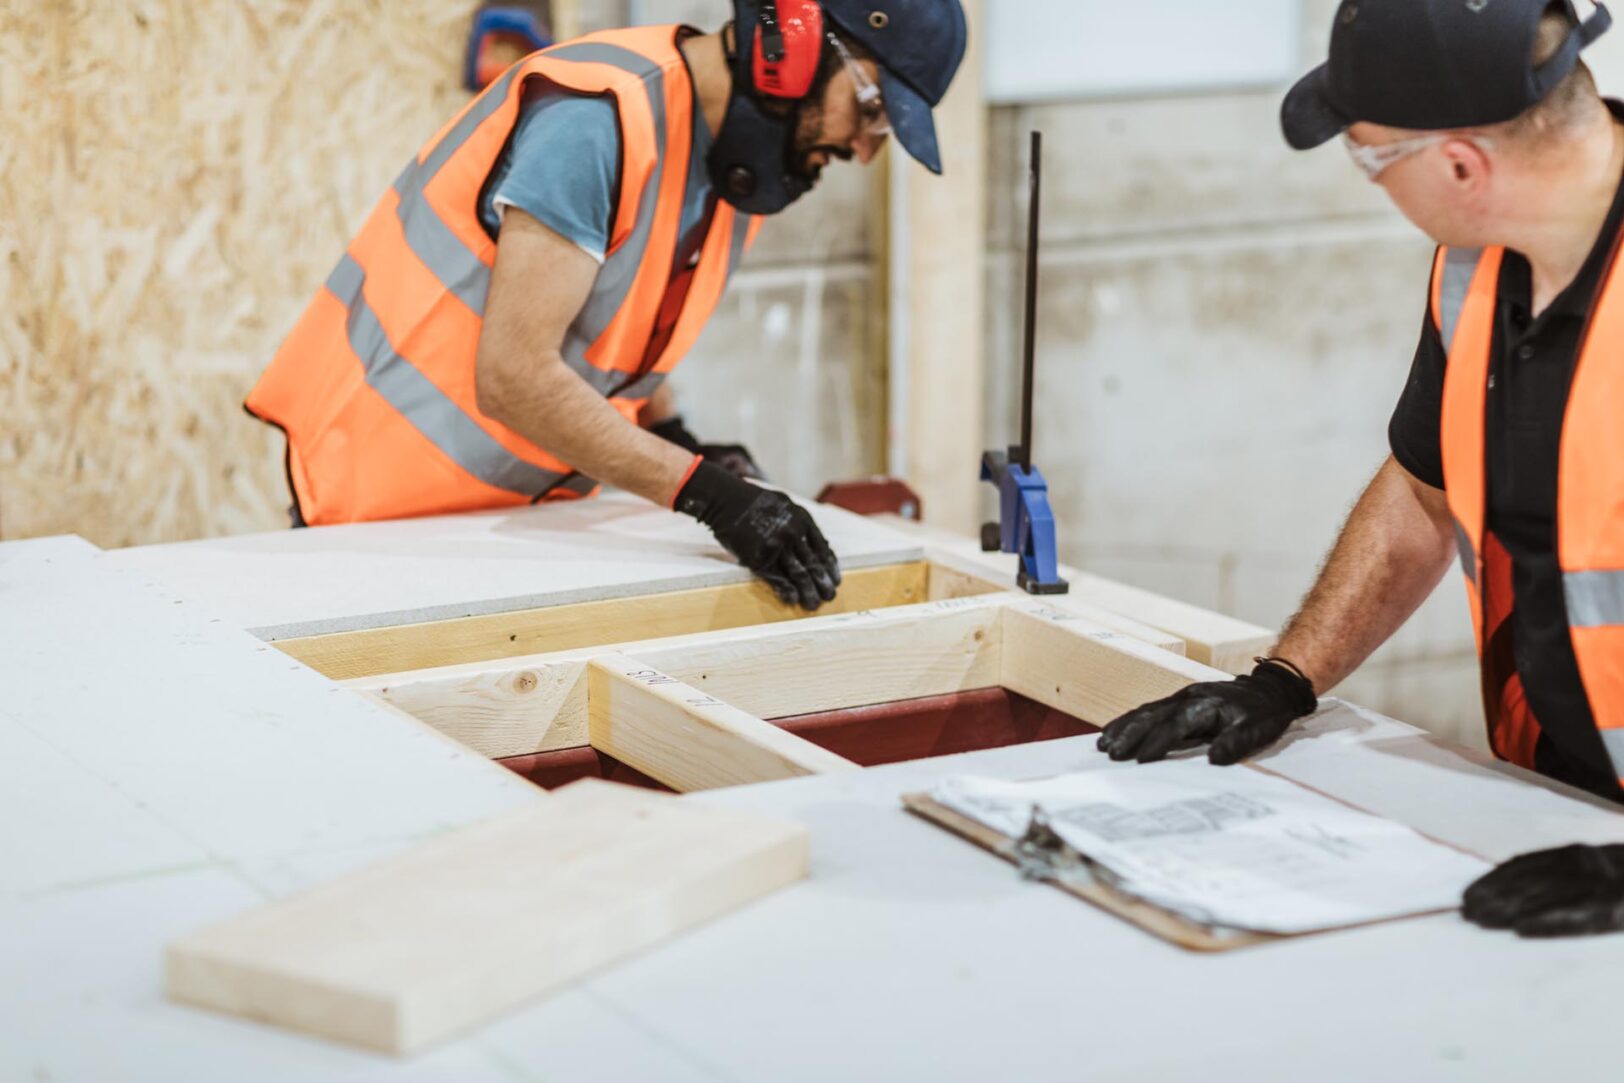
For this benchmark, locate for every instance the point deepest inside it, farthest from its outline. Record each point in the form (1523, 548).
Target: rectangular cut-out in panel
(538, 703)
(464, 927)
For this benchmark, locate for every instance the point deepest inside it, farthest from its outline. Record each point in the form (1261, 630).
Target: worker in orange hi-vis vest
(1507, 445)
(501, 329)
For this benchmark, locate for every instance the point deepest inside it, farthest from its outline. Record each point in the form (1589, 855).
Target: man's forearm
(1392, 551)
(558, 411)
(522, 381)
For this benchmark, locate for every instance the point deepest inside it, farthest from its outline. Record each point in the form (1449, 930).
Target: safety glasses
(1376, 160)
(872, 120)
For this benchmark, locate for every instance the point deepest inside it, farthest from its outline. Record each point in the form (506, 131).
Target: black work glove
(770, 534)
(1237, 717)
(1569, 891)
(734, 458)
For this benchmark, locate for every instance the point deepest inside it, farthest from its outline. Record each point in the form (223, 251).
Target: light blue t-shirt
(562, 168)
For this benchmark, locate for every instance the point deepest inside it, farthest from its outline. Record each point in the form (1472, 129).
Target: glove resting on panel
(1568, 891)
(771, 535)
(1234, 718)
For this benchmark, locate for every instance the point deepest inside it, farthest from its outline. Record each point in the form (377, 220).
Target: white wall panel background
(1039, 50)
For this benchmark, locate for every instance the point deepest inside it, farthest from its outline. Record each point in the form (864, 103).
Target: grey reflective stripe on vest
(646, 384)
(460, 270)
(424, 405)
(1613, 741)
(1467, 551)
(1595, 598)
(741, 235)
(483, 109)
(437, 246)
(620, 267)
(464, 274)
(642, 387)
(1460, 267)
(575, 483)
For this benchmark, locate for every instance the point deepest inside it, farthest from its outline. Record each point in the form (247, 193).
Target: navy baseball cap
(1431, 65)
(918, 45)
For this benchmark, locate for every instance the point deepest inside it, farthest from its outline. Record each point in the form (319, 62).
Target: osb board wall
(177, 177)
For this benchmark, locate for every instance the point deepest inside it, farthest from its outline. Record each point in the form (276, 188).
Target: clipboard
(1168, 925)
(1173, 928)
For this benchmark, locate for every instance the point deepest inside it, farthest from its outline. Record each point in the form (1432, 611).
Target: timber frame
(679, 686)
(948, 572)
(691, 711)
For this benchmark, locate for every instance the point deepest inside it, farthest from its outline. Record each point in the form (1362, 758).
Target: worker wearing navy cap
(1486, 130)
(500, 330)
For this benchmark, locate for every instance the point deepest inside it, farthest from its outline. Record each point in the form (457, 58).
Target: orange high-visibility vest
(375, 386)
(1590, 499)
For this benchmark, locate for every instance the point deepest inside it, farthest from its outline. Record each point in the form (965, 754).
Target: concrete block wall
(1223, 329)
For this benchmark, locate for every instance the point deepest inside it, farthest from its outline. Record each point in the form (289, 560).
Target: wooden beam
(1216, 639)
(343, 655)
(689, 739)
(566, 19)
(454, 749)
(954, 576)
(938, 254)
(469, 925)
(539, 704)
(1087, 671)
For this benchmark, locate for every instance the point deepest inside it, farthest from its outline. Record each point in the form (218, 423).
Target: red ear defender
(789, 44)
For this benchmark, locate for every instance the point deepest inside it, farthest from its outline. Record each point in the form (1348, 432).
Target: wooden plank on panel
(585, 624)
(954, 576)
(539, 703)
(1087, 671)
(1217, 639)
(1220, 641)
(469, 925)
(689, 739)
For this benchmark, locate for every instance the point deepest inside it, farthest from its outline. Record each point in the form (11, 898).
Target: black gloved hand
(734, 458)
(770, 534)
(1569, 891)
(1237, 717)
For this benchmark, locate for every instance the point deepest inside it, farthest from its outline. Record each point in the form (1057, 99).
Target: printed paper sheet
(1229, 846)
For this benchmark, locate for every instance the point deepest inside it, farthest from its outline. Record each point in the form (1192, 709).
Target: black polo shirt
(1530, 369)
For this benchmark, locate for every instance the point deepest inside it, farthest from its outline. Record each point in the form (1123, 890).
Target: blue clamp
(1025, 524)
(518, 24)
